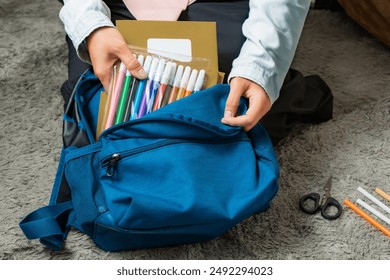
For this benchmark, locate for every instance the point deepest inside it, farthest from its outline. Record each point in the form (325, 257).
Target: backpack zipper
(111, 161)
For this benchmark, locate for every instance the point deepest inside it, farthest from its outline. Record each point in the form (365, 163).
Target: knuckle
(231, 103)
(132, 63)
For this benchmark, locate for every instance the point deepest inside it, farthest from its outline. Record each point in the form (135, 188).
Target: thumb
(233, 100)
(132, 64)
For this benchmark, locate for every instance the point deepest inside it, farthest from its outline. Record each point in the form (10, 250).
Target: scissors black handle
(305, 207)
(330, 201)
(315, 198)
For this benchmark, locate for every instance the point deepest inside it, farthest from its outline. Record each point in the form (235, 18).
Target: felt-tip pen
(132, 92)
(148, 88)
(200, 80)
(163, 85)
(115, 95)
(123, 98)
(168, 88)
(184, 83)
(176, 84)
(140, 90)
(191, 83)
(155, 85)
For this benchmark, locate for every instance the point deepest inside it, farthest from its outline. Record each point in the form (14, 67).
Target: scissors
(324, 206)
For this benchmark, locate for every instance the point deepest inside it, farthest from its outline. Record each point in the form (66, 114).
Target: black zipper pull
(111, 164)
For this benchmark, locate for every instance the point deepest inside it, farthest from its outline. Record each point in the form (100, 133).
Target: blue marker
(148, 89)
(155, 85)
(140, 90)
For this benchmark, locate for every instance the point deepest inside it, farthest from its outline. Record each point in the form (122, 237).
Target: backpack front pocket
(174, 183)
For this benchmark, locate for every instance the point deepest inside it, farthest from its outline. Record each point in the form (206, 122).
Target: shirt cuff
(81, 19)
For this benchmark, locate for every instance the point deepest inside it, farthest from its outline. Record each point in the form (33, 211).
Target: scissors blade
(327, 188)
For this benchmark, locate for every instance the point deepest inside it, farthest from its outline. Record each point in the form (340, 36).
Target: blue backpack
(177, 175)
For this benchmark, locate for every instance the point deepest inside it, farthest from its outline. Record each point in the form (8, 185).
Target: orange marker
(191, 83)
(382, 193)
(176, 84)
(184, 83)
(363, 214)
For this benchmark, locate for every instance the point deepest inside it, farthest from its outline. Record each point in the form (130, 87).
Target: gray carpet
(354, 147)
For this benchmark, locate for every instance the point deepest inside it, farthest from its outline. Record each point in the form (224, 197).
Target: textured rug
(354, 147)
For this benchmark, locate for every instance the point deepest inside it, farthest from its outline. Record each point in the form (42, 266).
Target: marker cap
(200, 80)
(191, 81)
(141, 59)
(167, 73)
(160, 70)
(186, 76)
(172, 73)
(178, 75)
(153, 68)
(147, 63)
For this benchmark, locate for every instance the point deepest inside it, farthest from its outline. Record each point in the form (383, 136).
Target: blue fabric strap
(50, 224)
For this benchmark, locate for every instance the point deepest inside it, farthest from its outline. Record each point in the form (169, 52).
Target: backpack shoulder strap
(50, 224)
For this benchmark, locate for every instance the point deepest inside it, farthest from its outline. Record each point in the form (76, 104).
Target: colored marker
(102, 125)
(200, 81)
(133, 88)
(382, 194)
(123, 98)
(116, 95)
(373, 199)
(366, 216)
(140, 90)
(155, 85)
(168, 88)
(163, 85)
(176, 84)
(191, 83)
(184, 83)
(373, 211)
(148, 88)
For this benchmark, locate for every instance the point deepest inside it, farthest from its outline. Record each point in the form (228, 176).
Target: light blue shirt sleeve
(272, 31)
(80, 18)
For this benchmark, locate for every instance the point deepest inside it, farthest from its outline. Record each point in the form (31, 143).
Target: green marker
(123, 98)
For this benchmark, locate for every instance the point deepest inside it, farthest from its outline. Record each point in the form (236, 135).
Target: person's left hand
(259, 103)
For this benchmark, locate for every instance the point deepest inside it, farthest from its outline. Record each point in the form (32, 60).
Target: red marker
(163, 84)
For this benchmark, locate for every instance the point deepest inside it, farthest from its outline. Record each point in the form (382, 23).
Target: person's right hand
(106, 46)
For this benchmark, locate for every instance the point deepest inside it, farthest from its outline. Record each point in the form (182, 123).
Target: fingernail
(142, 74)
(227, 114)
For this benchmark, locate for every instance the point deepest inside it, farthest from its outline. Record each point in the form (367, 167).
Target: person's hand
(259, 103)
(106, 46)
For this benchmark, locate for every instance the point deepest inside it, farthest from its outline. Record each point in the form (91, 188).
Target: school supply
(200, 80)
(162, 87)
(191, 83)
(373, 210)
(177, 175)
(382, 194)
(123, 98)
(155, 85)
(176, 84)
(183, 83)
(130, 100)
(133, 89)
(140, 90)
(115, 95)
(367, 217)
(312, 203)
(169, 84)
(373, 199)
(148, 88)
